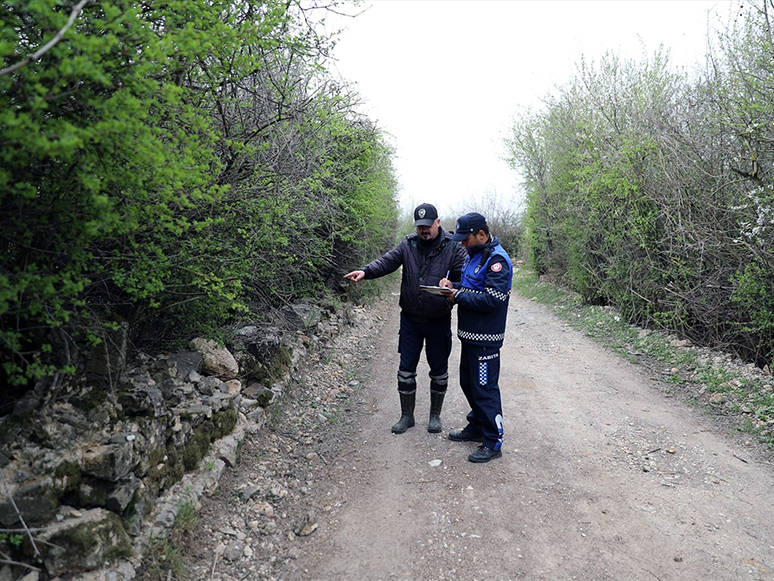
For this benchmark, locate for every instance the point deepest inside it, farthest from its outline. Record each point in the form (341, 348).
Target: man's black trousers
(432, 334)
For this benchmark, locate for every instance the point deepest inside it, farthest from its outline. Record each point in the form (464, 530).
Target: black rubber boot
(406, 421)
(436, 404)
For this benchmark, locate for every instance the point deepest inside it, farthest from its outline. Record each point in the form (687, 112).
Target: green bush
(157, 170)
(647, 189)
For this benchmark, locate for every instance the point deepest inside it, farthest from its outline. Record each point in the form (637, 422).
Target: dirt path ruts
(603, 477)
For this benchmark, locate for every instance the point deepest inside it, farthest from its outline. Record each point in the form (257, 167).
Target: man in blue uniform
(427, 256)
(482, 308)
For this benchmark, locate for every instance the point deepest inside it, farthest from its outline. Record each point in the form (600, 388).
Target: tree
(132, 136)
(648, 190)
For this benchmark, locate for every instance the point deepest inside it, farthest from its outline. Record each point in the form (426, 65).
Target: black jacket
(423, 264)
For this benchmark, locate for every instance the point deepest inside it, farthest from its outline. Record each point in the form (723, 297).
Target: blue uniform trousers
(436, 338)
(479, 376)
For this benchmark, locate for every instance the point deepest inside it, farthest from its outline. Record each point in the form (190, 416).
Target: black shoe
(465, 435)
(484, 454)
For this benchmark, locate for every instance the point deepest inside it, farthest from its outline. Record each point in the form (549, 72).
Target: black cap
(425, 215)
(469, 224)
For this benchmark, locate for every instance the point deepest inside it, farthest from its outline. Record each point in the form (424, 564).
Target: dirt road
(603, 477)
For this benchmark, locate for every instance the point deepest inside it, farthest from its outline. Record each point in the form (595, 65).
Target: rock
(154, 444)
(301, 316)
(227, 448)
(233, 551)
(122, 495)
(232, 387)
(188, 364)
(246, 331)
(199, 409)
(120, 571)
(84, 544)
(210, 477)
(306, 526)
(257, 416)
(220, 401)
(260, 343)
(186, 389)
(108, 461)
(216, 360)
(247, 404)
(278, 492)
(166, 515)
(210, 385)
(264, 508)
(248, 492)
(34, 496)
(262, 395)
(145, 400)
(145, 500)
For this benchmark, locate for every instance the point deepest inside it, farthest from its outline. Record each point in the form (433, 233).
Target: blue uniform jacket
(483, 295)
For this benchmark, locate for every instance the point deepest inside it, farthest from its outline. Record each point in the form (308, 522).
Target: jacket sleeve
(386, 264)
(457, 264)
(496, 289)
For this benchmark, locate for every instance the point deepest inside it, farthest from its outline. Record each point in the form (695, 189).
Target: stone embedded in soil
(234, 550)
(307, 525)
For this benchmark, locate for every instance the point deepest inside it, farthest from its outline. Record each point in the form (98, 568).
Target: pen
(447, 274)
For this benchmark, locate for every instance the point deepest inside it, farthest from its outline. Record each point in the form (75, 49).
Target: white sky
(445, 77)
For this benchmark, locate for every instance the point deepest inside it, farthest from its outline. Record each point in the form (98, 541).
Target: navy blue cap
(469, 224)
(425, 215)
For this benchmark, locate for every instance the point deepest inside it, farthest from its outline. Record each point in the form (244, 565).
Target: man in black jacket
(427, 256)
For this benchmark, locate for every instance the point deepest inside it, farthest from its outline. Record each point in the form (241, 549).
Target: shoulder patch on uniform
(496, 267)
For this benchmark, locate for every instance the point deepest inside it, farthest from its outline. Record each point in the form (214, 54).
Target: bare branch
(18, 564)
(18, 513)
(50, 44)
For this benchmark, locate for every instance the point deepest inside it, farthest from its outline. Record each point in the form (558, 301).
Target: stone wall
(92, 469)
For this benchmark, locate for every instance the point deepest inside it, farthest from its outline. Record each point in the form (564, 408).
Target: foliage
(647, 189)
(172, 166)
(11, 539)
